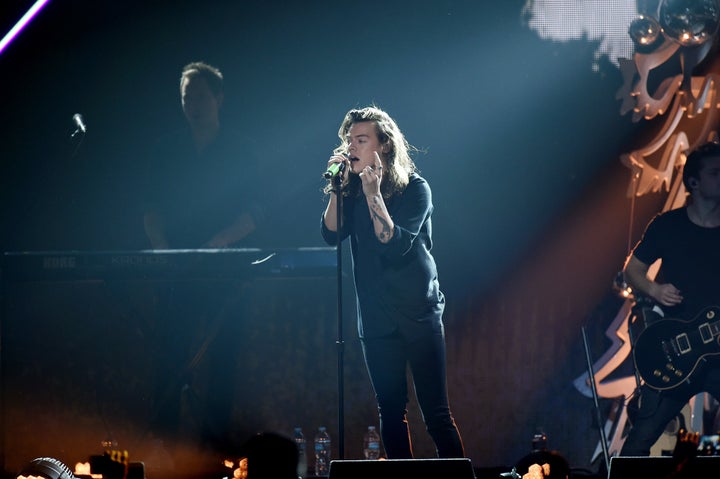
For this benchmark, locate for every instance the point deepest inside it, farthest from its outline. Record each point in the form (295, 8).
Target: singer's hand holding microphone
(336, 166)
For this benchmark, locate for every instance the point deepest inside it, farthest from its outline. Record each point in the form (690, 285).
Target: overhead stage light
(690, 22)
(645, 31)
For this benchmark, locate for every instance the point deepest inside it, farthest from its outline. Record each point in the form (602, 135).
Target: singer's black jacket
(397, 282)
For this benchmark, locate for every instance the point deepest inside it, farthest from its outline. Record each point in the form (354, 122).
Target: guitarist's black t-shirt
(690, 260)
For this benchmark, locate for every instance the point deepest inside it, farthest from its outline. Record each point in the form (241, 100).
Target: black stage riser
(402, 468)
(662, 467)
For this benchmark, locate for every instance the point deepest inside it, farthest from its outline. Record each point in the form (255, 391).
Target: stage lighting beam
(22, 23)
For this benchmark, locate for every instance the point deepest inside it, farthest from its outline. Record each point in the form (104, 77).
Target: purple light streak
(15, 31)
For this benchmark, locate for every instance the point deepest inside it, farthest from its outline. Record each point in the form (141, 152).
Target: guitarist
(687, 240)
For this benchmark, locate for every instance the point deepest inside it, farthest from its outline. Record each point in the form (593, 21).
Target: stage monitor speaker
(660, 467)
(460, 468)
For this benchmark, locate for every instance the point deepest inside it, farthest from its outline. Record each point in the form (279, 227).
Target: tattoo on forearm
(384, 235)
(376, 210)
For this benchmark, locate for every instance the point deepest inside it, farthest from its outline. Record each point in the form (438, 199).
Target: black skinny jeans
(386, 359)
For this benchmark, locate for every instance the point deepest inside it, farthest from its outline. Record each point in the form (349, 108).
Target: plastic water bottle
(322, 452)
(299, 439)
(371, 443)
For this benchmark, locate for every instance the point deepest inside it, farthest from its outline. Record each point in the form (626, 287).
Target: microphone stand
(591, 376)
(340, 342)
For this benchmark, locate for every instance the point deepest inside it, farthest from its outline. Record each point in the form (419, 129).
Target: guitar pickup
(683, 343)
(705, 333)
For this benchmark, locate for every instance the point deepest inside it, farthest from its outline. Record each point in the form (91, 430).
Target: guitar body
(669, 351)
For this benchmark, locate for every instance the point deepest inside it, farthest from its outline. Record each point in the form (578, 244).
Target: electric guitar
(668, 351)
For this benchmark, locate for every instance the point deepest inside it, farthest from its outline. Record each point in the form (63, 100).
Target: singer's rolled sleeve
(409, 217)
(330, 237)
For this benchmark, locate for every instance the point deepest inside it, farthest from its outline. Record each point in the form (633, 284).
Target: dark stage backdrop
(103, 359)
(520, 143)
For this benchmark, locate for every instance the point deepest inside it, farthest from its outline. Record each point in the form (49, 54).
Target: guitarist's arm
(636, 275)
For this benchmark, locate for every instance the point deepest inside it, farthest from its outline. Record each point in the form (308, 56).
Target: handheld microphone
(333, 170)
(79, 124)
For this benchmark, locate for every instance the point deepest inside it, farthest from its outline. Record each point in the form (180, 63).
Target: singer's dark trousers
(387, 359)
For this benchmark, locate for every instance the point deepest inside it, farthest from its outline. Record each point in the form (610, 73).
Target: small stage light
(622, 287)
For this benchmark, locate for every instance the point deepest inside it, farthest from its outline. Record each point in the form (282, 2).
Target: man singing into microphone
(386, 213)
